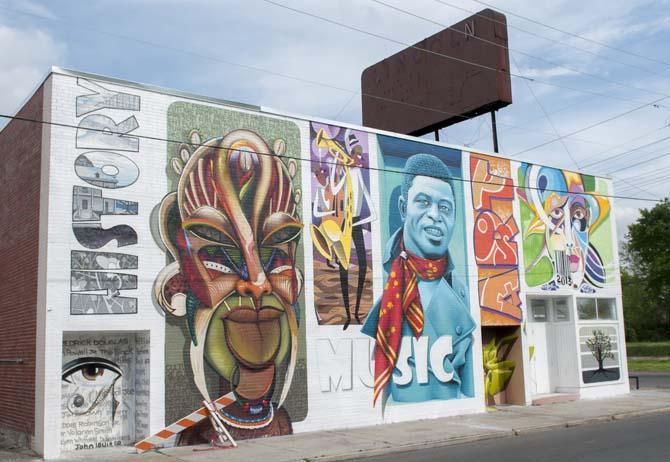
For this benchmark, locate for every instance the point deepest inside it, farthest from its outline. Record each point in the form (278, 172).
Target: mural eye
(557, 213)
(280, 228)
(92, 372)
(211, 234)
(88, 382)
(82, 371)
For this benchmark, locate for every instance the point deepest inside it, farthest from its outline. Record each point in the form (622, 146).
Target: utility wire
(309, 160)
(572, 34)
(596, 155)
(625, 153)
(525, 31)
(634, 186)
(534, 119)
(509, 50)
(202, 56)
(268, 71)
(589, 127)
(546, 115)
(650, 178)
(639, 163)
(435, 53)
(372, 34)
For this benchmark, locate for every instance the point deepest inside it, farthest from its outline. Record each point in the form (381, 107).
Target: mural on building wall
(422, 324)
(104, 168)
(567, 239)
(342, 211)
(104, 389)
(494, 235)
(232, 228)
(88, 204)
(599, 353)
(85, 260)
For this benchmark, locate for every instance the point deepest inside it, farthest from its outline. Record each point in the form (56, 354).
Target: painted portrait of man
(422, 324)
(232, 229)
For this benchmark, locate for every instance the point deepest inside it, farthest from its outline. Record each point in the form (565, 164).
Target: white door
(538, 340)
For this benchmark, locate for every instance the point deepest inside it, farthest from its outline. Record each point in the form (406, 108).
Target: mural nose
(254, 290)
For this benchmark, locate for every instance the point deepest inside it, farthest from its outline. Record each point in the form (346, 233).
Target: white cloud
(26, 55)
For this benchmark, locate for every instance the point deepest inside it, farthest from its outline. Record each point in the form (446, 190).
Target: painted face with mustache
(233, 229)
(428, 214)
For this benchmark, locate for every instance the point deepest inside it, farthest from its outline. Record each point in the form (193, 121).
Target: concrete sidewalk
(378, 440)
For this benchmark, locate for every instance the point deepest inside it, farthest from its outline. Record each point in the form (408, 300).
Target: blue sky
(191, 46)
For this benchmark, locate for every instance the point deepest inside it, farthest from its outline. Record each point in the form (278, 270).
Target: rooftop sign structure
(420, 89)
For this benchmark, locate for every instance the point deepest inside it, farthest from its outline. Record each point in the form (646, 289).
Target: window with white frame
(596, 309)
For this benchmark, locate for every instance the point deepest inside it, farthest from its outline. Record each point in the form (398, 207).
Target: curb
(408, 447)
(627, 415)
(487, 436)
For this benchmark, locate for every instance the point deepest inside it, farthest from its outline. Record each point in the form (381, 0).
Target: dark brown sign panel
(398, 90)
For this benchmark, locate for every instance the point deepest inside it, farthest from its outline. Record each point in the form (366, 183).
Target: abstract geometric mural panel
(495, 234)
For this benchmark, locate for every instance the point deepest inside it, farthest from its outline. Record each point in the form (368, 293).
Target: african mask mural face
(567, 216)
(233, 227)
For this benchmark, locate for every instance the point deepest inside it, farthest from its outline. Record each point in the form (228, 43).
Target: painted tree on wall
(600, 347)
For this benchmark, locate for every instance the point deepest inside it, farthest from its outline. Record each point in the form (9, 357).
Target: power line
(546, 115)
(269, 71)
(346, 26)
(525, 31)
(432, 52)
(589, 127)
(639, 163)
(309, 160)
(489, 42)
(625, 153)
(596, 155)
(572, 34)
(649, 178)
(633, 185)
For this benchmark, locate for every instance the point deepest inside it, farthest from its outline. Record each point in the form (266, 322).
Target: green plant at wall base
(497, 368)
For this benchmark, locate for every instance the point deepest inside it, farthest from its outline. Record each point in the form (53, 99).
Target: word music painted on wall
(96, 282)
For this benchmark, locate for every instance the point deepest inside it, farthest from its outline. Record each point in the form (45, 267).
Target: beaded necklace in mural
(251, 423)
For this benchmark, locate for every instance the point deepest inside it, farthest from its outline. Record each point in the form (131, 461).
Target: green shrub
(648, 348)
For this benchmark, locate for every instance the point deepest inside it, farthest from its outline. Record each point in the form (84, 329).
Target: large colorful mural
(567, 237)
(273, 260)
(232, 229)
(422, 324)
(342, 211)
(495, 232)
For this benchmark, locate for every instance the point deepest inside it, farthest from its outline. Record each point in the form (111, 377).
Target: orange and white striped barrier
(159, 439)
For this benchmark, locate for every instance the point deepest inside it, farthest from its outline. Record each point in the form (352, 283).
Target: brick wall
(20, 145)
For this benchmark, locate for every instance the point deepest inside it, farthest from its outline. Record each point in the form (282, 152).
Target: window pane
(606, 308)
(561, 310)
(539, 308)
(586, 308)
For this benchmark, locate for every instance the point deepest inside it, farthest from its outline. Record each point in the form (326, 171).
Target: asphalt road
(642, 439)
(651, 380)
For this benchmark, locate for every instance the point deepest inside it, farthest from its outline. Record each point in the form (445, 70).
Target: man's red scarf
(400, 300)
